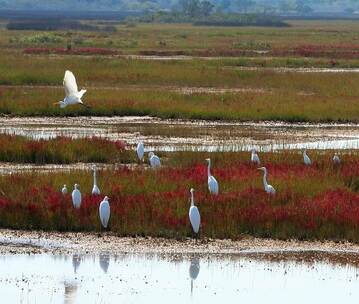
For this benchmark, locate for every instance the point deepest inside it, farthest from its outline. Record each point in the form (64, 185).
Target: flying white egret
(95, 189)
(104, 211)
(194, 216)
(64, 190)
(76, 197)
(212, 182)
(73, 95)
(154, 160)
(140, 151)
(306, 158)
(255, 157)
(268, 188)
(194, 271)
(336, 159)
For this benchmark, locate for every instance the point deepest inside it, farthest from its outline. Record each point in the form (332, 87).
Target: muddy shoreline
(39, 242)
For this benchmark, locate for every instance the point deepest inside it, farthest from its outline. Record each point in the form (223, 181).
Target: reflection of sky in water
(179, 136)
(140, 279)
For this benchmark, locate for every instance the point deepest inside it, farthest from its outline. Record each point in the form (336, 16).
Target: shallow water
(183, 135)
(174, 279)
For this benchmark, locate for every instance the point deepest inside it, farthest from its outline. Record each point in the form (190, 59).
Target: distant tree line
(190, 7)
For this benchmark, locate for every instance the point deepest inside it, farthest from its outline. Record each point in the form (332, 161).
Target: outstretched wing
(70, 84)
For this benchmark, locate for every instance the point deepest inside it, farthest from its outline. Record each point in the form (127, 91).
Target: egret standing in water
(154, 160)
(212, 182)
(72, 94)
(64, 190)
(95, 189)
(255, 157)
(194, 216)
(76, 197)
(104, 212)
(336, 159)
(140, 151)
(268, 188)
(306, 158)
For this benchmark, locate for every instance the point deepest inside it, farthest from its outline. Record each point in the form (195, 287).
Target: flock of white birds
(73, 96)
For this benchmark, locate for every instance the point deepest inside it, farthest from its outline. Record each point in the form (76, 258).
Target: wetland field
(188, 93)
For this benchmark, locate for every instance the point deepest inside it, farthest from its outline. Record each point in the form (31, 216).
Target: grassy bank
(61, 150)
(187, 39)
(318, 202)
(291, 98)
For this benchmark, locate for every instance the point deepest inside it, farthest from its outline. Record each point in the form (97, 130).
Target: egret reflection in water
(194, 270)
(76, 261)
(70, 292)
(104, 262)
(160, 278)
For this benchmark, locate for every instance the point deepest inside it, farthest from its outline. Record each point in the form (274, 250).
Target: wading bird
(76, 197)
(336, 159)
(212, 182)
(306, 158)
(194, 216)
(268, 188)
(95, 189)
(140, 151)
(154, 160)
(104, 212)
(64, 190)
(72, 94)
(255, 157)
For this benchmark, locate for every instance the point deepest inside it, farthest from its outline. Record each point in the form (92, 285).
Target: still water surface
(152, 278)
(182, 135)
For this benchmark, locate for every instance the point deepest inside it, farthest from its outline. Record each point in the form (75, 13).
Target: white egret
(95, 189)
(194, 216)
(306, 158)
(64, 190)
(336, 159)
(140, 151)
(255, 157)
(268, 188)
(212, 182)
(73, 95)
(104, 211)
(154, 160)
(76, 197)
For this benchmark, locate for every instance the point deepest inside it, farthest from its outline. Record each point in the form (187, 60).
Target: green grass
(119, 86)
(325, 104)
(188, 38)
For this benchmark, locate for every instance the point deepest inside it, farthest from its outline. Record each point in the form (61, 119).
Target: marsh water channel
(267, 277)
(185, 135)
(249, 277)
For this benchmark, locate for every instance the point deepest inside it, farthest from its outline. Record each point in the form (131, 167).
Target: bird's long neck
(192, 199)
(265, 183)
(94, 177)
(209, 168)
